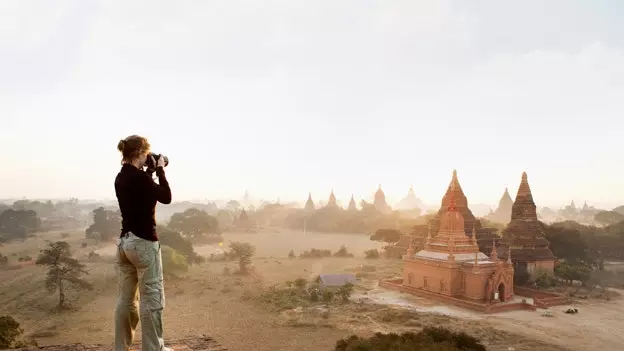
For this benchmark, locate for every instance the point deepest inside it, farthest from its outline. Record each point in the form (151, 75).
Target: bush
(4, 260)
(545, 279)
(342, 252)
(25, 259)
(315, 253)
(10, 334)
(372, 254)
(291, 254)
(439, 339)
(173, 262)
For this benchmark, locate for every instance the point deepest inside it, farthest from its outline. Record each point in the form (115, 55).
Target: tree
(17, 224)
(177, 242)
(386, 235)
(10, 333)
(566, 242)
(573, 272)
(194, 224)
(4, 260)
(606, 218)
(106, 225)
(244, 252)
(62, 268)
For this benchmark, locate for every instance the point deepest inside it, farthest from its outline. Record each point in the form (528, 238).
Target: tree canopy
(182, 246)
(608, 217)
(106, 225)
(17, 224)
(194, 224)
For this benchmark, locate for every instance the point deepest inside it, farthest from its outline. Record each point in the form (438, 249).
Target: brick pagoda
(486, 237)
(524, 236)
(451, 266)
(380, 201)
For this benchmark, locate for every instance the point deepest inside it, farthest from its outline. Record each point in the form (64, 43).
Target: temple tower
(524, 237)
(503, 212)
(331, 202)
(455, 191)
(352, 205)
(380, 201)
(309, 206)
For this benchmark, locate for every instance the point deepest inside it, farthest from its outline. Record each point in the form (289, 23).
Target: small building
(335, 281)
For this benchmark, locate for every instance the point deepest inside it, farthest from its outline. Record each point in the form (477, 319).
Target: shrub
(315, 253)
(291, 254)
(173, 262)
(10, 334)
(342, 252)
(545, 279)
(439, 339)
(4, 260)
(25, 259)
(372, 254)
(300, 283)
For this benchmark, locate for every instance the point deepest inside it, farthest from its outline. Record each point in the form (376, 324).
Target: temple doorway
(501, 292)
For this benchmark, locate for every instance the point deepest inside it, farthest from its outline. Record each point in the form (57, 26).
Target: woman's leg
(150, 277)
(126, 312)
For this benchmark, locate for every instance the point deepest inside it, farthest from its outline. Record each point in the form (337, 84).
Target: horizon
(286, 98)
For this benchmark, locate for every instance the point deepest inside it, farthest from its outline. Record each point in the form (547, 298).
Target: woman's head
(134, 149)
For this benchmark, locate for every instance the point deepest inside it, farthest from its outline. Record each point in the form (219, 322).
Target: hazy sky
(286, 97)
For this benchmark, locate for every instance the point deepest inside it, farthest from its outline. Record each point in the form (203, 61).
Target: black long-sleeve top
(137, 194)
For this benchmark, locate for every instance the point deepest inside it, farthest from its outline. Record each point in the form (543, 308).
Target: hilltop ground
(225, 307)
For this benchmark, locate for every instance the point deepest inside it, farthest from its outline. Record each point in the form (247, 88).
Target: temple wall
(432, 278)
(475, 286)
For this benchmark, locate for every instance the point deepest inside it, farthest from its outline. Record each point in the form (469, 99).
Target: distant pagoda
(309, 206)
(524, 236)
(503, 212)
(410, 201)
(352, 205)
(380, 201)
(331, 202)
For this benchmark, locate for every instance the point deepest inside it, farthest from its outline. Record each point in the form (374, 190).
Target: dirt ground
(205, 301)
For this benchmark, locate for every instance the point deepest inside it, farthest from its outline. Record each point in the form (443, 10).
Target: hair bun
(120, 145)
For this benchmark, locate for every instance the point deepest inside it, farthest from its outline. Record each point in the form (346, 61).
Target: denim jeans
(139, 266)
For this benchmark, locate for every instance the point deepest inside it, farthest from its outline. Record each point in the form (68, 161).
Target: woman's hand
(161, 162)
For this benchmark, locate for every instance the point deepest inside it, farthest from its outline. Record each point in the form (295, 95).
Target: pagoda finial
(494, 255)
(429, 233)
(410, 248)
(474, 235)
(524, 190)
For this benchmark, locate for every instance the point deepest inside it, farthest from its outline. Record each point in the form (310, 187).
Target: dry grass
(205, 301)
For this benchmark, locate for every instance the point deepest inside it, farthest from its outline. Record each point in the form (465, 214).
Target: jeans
(139, 266)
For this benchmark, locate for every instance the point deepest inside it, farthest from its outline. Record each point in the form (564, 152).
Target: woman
(138, 253)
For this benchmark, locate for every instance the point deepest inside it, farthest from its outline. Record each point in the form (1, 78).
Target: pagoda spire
(494, 255)
(410, 248)
(474, 235)
(524, 191)
(332, 199)
(352, 205)
(309, 204)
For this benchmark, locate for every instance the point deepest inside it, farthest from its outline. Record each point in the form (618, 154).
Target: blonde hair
(132, 147)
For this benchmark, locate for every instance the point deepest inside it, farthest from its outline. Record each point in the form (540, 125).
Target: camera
(152, 158)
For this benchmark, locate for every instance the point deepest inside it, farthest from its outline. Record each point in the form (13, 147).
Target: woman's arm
(161, 191)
